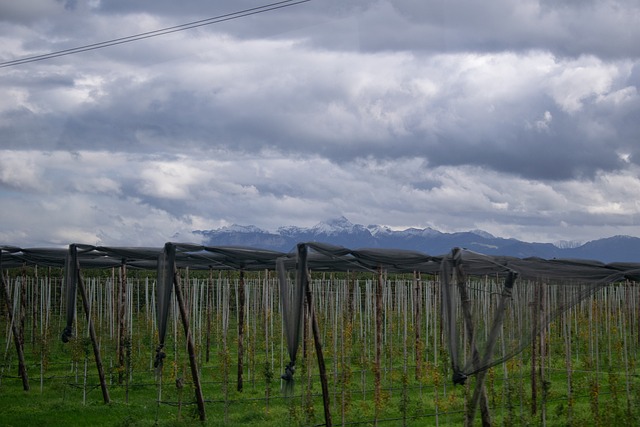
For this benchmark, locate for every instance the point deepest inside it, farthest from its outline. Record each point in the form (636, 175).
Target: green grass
(61, 402)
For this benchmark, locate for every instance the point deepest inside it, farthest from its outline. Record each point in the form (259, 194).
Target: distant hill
(340, 231)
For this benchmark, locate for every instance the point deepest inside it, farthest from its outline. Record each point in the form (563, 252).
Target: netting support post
(302, 258)
(191, 349)
(377, 368)
(480, 393)
(417, 303)
(241, 303)
(22, 367)
(480, 390)
(209, 301)
(122, 330)
(92, 331)
(535, 307)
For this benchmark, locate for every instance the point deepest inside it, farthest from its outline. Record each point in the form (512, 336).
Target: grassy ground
(65, 401)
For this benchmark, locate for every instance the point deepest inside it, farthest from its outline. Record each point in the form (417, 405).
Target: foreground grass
(60, 403)
(20, 408)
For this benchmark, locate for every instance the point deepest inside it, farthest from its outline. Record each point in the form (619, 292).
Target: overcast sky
(520, 118)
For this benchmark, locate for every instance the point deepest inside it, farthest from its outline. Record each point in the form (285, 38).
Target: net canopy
(489, 321)
(492, 306)
(321, 257)
(196, 257)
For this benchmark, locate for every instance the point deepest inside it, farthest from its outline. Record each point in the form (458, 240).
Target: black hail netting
(492, 307)
(197, 257)
(324, 257)
(291, 299)
(71, 277)
(166, 266)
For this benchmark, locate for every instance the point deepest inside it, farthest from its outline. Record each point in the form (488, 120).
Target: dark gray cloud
(608, 29)
(572, 121)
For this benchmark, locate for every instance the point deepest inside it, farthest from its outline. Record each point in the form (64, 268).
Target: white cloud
(106, 207)
(544, 122)
(169, 179)
(20, 172)
(577, 81)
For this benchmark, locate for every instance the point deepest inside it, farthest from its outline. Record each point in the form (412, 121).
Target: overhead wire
(156, 33)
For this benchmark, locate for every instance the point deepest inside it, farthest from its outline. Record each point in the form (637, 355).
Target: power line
(156, 33)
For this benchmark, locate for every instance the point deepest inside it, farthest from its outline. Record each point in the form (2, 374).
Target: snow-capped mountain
(340, 231)
(235, 228)
(336, 226)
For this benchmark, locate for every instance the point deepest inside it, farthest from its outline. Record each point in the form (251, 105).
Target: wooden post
(23, 302)
(461, 281)
(267, 316)
(534, 346)
(92, 331)
(122, 334)
(241, 301)
(567, 354)
(321, 365)
(543, 382)
(493, 334)
(209, 301)
(34, 305)
(378, 353)
(302, 259)
(190, 347)
(417, 304)
(22, 368)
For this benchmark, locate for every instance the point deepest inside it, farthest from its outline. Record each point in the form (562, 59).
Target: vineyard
(228, 336)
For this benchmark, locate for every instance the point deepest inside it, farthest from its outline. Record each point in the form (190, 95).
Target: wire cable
(156, 33)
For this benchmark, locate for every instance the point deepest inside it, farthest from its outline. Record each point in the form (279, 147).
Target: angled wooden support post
(22, 367)
(92, 332)
(493, 335)
(461, 282)
(191, 349)
(480, 363)
(302, 269)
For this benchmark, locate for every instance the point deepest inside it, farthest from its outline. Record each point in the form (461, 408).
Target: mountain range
(340, 231)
